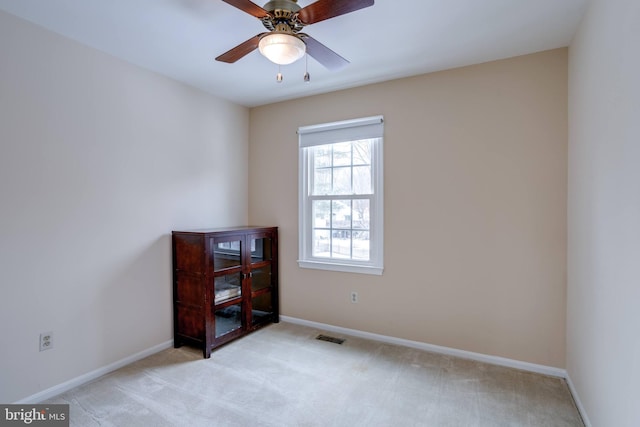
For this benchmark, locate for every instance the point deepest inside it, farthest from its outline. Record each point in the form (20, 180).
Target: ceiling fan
(284, 43)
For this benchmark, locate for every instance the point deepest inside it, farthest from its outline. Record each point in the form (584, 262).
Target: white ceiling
(392, 39)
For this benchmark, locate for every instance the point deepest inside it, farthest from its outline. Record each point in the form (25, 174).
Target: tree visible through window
(341, 203)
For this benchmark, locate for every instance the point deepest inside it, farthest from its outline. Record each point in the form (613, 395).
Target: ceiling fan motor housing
(282, 16)
(285, 5)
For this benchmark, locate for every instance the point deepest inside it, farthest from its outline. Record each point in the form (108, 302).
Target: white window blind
(347, 130)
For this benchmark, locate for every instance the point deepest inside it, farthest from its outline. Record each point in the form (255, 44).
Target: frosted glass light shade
(282, 49)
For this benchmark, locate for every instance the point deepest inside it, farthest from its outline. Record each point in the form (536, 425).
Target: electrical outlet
(46, 341)
(354, 297)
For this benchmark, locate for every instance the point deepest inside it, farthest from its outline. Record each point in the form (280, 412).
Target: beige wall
(99, 161)
(603, 316)
(475, 208)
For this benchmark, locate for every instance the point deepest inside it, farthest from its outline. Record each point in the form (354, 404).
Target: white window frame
(335, 132)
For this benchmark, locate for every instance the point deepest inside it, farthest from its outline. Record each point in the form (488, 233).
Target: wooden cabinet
(225, 284)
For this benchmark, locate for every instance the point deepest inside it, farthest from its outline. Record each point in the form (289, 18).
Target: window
(341, 188)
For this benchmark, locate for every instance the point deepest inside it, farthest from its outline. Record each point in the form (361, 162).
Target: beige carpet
(282, 376)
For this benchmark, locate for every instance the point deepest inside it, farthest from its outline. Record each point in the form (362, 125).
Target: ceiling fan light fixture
(282, 48)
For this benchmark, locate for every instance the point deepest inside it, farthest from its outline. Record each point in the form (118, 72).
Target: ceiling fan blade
(248, 6)
(325, 9)
(324, 55)
(241, 50)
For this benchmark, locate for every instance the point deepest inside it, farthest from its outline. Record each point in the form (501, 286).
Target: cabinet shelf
(260, 292)
(227, 270)
(225, 284)
(228, 301)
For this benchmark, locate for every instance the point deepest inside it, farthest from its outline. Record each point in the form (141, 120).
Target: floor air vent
(330, 339)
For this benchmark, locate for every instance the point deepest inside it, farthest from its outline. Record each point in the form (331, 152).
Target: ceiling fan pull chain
(307, 76)
(279, 76)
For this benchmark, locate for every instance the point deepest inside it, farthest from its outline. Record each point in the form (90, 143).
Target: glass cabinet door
(260, 278)
(261, 309)
(227, 267)
(243, 280)
(227, 254)
(227, 257)
(228, 319)
(227, 287)
(260, 249)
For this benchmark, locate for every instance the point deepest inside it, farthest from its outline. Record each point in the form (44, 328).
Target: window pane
(341, 214)
(322, 156)
(361, 245)
(361, 214)
(362, 152)
(341, 229)
(321, 244)
(321, 214)
(342, 181)
(341, 244)
(342, 154)
(343, 168)
(362, 180)
(321, 181)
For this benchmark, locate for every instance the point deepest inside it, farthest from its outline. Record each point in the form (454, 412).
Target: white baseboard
(90, 376)
(494, 360)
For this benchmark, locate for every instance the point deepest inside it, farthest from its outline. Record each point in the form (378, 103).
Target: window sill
(346, 268)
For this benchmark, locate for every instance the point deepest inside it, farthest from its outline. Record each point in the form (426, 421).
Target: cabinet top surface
(227, 229)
